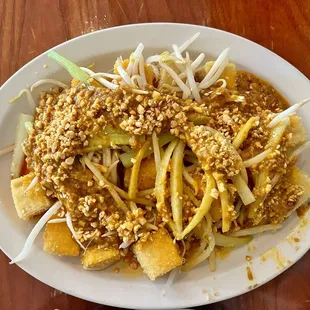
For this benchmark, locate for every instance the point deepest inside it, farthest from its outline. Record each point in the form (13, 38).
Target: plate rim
(191, 302)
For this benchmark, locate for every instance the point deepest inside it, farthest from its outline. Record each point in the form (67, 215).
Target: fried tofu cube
(159, 255)
(98, 257)
(32, 202)
(147, 174)
(58, 240)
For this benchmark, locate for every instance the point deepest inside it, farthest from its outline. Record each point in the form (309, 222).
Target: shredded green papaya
(203, 208)
(176, 185)
(133, 184)
(126, 157)
(105, 139)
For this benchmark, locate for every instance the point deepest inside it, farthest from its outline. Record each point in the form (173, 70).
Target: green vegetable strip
(126, 157)
(160, 182)
(224, 196)
(105, 139)
(74, 70)
(231, 242)
(115, 161)
(243, 133)
(243, 190)
(176, 185)
(198, 119)
(261, 183)
(133, 184)
(156, 150)
(204, 207)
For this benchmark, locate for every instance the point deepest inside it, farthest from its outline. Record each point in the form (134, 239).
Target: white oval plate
(200, 286)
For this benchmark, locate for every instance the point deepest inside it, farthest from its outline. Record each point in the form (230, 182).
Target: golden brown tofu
(147, 174)
(159, 255)
(97, 257)
(32, 202)
(58, 240)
